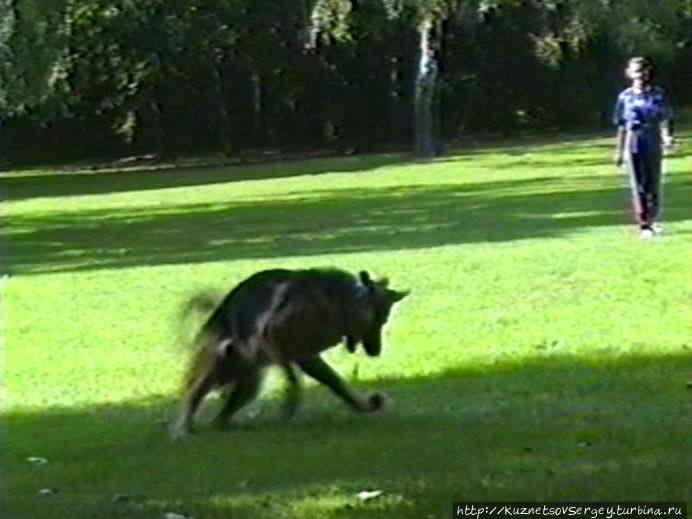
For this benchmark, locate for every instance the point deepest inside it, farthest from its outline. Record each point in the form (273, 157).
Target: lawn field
(545, 352)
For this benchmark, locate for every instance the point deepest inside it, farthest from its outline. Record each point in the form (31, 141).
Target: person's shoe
(646, 233)
(657, 228)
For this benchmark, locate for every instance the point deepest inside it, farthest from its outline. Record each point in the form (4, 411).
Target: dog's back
(286, 314)
(235, 314)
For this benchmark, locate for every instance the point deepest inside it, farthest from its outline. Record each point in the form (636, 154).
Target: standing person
(643, 115)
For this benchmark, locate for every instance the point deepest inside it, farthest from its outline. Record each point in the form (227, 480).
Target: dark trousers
(645, 179)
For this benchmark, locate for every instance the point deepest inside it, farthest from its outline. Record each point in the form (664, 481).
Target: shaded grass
(544, 353)
(552, 427)
(49, 183)
(391, 209)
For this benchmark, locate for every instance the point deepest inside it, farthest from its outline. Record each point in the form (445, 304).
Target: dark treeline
(108, 77)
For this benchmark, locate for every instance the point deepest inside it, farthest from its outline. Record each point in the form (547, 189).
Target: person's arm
(622, 133)
(620, 146)
(667, 124)
(667, 134)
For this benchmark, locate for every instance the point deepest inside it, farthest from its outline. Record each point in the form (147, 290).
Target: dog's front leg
(294, 391)
(318, 369)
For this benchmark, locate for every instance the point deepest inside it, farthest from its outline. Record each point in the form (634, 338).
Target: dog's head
(375, 303)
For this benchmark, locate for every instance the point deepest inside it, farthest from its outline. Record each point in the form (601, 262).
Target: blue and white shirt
(641, 113)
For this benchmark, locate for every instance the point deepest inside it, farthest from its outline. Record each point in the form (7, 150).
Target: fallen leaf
(367, 495)
(37, 460)
(174, 515)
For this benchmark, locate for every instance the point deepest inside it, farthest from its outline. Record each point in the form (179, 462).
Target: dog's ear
(395, 296)
(365, 278)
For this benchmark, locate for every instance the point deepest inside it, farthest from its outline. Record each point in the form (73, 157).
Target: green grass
(545, 351)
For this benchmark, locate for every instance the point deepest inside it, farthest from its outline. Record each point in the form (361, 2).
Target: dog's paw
(177, 432)
(378, 401)
(221, 424)
(289, 411)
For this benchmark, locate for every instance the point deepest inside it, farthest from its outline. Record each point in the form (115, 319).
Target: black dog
(285, 317)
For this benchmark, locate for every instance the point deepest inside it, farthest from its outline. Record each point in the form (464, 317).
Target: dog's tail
(204, 345)
(201, 303)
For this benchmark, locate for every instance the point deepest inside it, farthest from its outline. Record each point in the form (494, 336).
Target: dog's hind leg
(246, 389)
(318, 369)
(199, 388)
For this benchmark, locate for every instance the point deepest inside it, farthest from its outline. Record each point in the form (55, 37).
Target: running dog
(285, 318)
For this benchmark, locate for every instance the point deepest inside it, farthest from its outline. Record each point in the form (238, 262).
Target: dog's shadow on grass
(553, 428)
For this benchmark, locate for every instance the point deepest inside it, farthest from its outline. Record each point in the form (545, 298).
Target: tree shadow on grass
(37, 185)
(556, 427)
(25, 185)
(324, 221)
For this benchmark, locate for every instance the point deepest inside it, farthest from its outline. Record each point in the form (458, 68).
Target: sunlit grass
(545, 352)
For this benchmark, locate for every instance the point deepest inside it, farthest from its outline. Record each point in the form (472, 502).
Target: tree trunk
(257, 116)
(157, 133)
(426, 80)
(223, 126)
(398, 115)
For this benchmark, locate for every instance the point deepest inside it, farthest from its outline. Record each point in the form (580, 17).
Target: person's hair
(643, 62)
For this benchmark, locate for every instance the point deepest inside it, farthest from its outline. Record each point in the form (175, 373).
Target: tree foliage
(236, 74)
